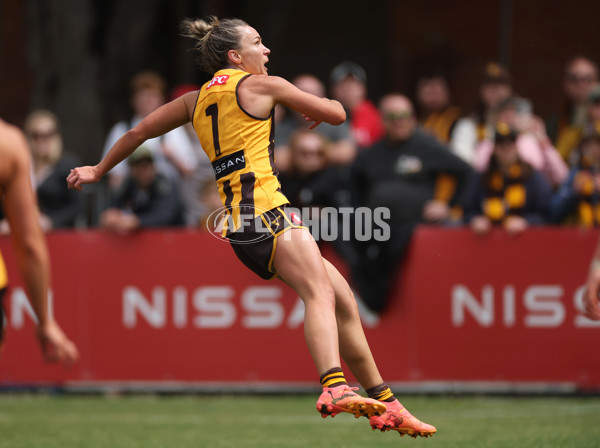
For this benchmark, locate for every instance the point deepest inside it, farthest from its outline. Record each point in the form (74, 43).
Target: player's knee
(321, 294)
(346, 306)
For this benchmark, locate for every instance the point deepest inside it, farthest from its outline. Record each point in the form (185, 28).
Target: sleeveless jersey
(240, 147)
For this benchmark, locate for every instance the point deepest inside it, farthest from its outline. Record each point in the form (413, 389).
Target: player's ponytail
(213, 39)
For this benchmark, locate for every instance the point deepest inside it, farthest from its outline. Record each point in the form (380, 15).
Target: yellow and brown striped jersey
(239, 145)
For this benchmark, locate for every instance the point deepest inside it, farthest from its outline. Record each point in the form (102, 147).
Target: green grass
(287, 421)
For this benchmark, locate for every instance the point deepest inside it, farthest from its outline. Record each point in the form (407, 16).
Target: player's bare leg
(298, 263)
(355, 351)
(354, 347)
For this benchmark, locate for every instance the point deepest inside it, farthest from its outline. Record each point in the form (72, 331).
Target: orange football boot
(338, 399)
(397, 418)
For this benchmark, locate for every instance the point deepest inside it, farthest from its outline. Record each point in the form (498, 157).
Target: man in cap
(146, 198)
(349, 87)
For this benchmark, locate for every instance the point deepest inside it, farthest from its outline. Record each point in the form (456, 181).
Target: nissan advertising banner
(177, 307)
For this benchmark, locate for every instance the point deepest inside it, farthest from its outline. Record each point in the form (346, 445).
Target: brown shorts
(255, 244)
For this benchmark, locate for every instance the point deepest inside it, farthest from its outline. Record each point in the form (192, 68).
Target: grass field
(287, 421)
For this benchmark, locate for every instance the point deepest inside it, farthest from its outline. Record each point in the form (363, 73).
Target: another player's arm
(590, 298)
(162, 120)
(22, 214)
(30, 245)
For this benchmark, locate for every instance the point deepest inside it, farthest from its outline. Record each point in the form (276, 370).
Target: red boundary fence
(176, 307)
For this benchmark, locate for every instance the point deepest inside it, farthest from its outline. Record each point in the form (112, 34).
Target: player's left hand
(82, 175)
(55, 345)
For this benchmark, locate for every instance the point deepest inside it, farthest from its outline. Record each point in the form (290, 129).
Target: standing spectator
(342, 148)
(533, 144)
(565, 128)
(145, 199)
(173, 155)
(510, 192)
(495, 87)
(437, 115)
(401, 173)
(349, 87)
(59, 207)
(579, 197)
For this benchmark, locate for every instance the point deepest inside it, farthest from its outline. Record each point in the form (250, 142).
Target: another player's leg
(355, 351)
(298, 263)
(2, 317)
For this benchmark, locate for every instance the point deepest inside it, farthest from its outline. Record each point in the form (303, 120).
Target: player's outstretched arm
(590, 298)
(162, 120)
(30, 245)
(280, 91)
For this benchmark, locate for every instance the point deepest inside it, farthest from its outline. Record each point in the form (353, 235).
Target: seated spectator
(533, 144)
(211, 200)
(192, 183)
(578, 199)
(308, 180)
(342, 149)
(402, 173)
(495, 87)
(145, 199)
(565, 127)
(59, 207)
(436, 114)
(349, 86)
(510, 192)
(173, 155)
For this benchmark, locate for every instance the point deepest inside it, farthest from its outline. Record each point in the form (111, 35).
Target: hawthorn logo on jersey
(220, 80)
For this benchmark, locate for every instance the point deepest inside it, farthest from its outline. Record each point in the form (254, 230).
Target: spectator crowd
(414, 153)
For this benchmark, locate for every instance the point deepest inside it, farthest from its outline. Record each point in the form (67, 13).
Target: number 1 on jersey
(212, 111)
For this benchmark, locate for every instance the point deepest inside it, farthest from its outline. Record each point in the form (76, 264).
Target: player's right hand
(55, 345)
(82, 175)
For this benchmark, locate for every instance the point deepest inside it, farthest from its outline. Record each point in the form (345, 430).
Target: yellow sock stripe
(337, 379)
(333, 374)
(332, 378)
(387, 393)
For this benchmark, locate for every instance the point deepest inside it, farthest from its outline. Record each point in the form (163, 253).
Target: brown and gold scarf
(505, 195)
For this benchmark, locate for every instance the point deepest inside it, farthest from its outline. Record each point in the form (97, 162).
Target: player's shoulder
(12, 142)
(14, 153)
(266, 83)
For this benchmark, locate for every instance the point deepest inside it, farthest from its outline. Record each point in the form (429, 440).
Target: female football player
(233, 118)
